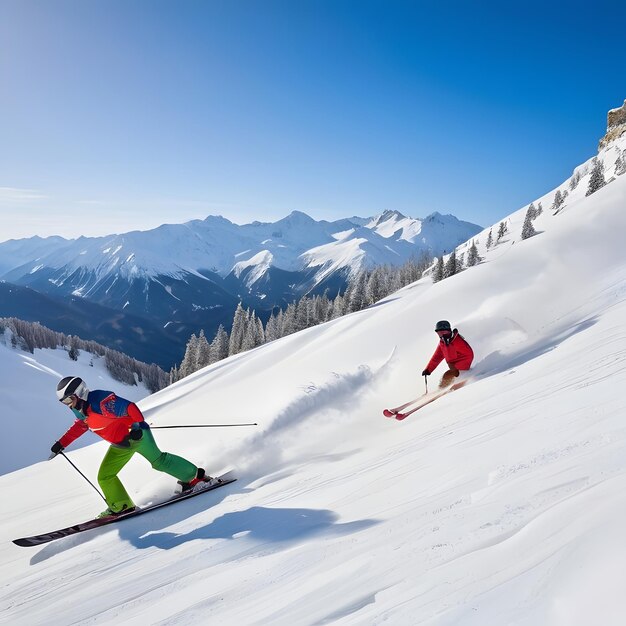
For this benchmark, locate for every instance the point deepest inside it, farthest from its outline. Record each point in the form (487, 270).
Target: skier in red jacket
(454, 349)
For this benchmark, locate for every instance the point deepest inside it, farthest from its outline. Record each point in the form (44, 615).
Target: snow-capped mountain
(192, 275)
(500, 503)
(220, 247)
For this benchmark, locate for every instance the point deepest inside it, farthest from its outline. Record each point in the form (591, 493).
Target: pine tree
(374, 290)
(450, 268)
(249, 338)
(237, 332)
(539, 210)
(439, 270)
(271, 328)
(289, 320)
(473, 258)
(280, 324)
(339, 307)
(203, 352)
(489, 239)
(73, 352)
(321, 308)
(219, 345)
(260, 332)
(596, 180)
(502, 230)
(528, 230)
(188, 364)
(302, 313)
(357, 297)
(558, 200)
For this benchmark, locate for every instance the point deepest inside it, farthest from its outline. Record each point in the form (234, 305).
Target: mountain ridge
(188, 276)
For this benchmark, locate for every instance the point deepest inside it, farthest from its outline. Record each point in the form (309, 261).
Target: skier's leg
(171, 464)
(448, 377)
(114, 460)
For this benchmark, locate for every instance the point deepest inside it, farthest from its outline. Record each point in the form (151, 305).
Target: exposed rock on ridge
(615, 126)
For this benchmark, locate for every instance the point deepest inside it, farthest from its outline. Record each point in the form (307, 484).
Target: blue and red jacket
(457, 353)
(107, 415)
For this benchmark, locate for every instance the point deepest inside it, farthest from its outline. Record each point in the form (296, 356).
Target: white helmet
(72, 386)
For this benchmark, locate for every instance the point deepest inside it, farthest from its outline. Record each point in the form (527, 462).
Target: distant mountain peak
(435, 216)
(387, 215)
(299, 216)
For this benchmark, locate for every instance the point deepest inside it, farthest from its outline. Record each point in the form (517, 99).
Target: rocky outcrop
(615, 126)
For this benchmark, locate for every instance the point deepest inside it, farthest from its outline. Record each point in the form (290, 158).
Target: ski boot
(201, 477)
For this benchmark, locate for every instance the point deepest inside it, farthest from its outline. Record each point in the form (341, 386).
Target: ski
(36, 540)
(398, 409)
(401, 416)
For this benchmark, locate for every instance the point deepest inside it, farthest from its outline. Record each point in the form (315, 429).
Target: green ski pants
(115, 459)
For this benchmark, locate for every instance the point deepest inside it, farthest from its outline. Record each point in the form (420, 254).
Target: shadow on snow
(260, 524)
(280, 526)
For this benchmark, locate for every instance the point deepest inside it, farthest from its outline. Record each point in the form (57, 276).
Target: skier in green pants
(121, 423)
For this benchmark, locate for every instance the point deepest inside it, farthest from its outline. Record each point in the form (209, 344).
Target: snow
(259, 263)
(500, 503)
(332, 256)
(396, 222)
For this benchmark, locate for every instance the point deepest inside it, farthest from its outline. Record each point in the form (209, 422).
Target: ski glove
(425, 373)
(56, 448)
(135, 434)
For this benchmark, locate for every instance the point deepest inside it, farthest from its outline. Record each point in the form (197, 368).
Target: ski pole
(85, 477)
(204, 425)
(426, 383)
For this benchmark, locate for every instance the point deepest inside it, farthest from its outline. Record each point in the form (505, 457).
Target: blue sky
(121, 115)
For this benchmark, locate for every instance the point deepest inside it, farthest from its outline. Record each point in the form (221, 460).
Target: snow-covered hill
(501, 503)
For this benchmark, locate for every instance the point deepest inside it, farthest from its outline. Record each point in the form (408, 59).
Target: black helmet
(443, 325)
(72, 386)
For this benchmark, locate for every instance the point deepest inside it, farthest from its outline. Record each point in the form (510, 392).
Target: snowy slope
(32, 419)
(501, 503)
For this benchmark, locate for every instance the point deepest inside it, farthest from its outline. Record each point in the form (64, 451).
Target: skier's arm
(78, 428)
(435, 359)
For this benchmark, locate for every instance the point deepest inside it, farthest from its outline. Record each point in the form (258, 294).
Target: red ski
(401, 416)
(398, 409)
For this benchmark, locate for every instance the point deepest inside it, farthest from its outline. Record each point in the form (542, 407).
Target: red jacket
(107, 415)
(457, 353)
